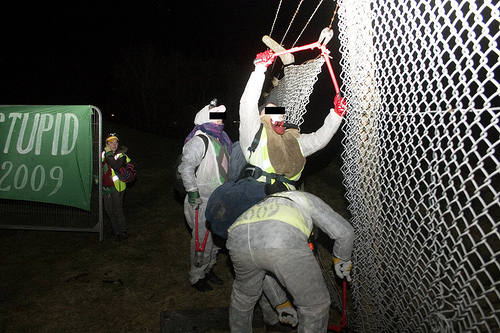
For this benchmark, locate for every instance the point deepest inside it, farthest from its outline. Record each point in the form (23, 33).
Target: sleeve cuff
(261, 69)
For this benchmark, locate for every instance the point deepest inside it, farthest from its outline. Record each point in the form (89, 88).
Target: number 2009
(37, 179)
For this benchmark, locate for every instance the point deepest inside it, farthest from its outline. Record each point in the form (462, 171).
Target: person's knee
(319, 304)
(323, 300)
(325, 306)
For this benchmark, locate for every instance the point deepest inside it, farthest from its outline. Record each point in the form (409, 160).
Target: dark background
(151, 64)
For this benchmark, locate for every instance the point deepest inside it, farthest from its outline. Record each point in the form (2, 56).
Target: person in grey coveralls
(272, 236)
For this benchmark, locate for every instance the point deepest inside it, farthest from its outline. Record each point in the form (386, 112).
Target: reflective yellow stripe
(119, 185)
(266, 166)
(274, 211)
(261, 159)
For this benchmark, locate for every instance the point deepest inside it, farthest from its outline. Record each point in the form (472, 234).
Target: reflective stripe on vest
(273, 211)
(120, 186)
(261, 159)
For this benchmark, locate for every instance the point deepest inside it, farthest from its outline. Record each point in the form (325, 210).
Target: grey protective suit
(272, 236)
(309, 144)
(204, 180)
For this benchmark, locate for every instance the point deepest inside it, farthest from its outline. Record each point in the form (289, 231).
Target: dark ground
(71, 282)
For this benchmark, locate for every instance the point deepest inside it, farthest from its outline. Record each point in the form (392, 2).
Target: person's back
(272, 238)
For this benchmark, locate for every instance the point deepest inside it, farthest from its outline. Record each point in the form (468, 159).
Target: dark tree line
(161, 93)
(145, 86)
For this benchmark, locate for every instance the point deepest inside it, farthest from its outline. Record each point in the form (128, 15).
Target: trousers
(209, 255)
(113, 206)
(283, 250)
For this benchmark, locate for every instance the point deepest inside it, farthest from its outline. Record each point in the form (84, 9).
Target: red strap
(324, 52)
(197, 246)
(343, 321)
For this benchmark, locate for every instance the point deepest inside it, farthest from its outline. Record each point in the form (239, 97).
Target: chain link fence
(421, 163)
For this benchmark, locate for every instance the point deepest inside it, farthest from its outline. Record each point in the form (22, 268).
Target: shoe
(280, 327)
(122, 236)
(111, 235)
(213, 278)
(202, 285)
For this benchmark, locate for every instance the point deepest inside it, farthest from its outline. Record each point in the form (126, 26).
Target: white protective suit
(272, 236)
(250, 120)
(202, 172)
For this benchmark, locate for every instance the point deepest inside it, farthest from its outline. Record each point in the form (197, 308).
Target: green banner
(46, 154)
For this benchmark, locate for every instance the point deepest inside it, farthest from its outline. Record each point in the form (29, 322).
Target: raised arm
(249, 102)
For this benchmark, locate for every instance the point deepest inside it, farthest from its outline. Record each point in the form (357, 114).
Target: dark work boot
(213, 278)
(122, 236)
(202, 285)
(280, 327)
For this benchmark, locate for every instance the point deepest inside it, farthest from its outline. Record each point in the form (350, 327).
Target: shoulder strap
(205, 140)
(256, 139)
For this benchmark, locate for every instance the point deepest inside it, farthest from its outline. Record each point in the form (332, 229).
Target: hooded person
(280, 156)
(204, 167)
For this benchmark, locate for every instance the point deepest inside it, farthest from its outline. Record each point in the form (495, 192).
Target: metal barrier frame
(41, 212)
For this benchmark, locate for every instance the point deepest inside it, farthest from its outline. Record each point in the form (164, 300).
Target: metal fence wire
(421, 163)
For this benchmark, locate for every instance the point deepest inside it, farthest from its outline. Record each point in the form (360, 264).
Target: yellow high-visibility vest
(119, 185)
(260, 158)
(273, 211)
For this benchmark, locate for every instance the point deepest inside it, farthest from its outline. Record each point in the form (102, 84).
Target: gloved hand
(264, 58)
(287, 314)
(342, 268)
(340, 104)
(194, 199)
(107, 148)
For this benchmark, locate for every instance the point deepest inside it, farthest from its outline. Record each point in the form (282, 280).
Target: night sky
(71, 52)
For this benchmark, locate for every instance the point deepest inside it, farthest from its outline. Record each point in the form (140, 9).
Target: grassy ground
(71, 282)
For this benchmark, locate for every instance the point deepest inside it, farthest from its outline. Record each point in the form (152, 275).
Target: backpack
(228, 201)
(127, 173)
(237, 163)
(178, 184)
